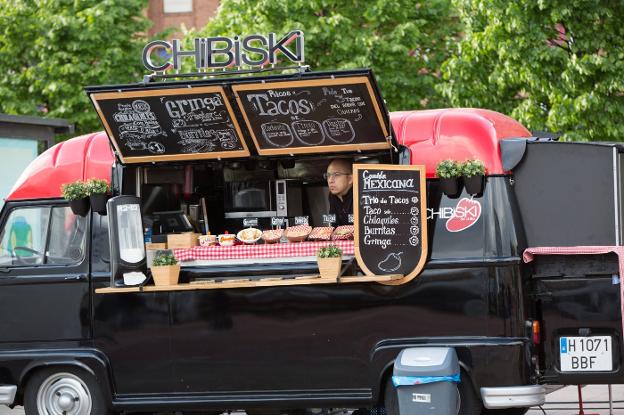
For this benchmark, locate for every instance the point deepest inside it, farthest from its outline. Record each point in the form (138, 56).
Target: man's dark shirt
(341, 208)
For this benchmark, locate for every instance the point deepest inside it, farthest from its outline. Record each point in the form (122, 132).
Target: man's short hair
(347, 164)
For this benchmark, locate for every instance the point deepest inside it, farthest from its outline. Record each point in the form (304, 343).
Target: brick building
(174, 13)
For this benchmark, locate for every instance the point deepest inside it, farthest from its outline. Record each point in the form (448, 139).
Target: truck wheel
(469, 402)
(63, 391)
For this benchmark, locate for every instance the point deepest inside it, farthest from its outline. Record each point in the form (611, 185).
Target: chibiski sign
(221, 52)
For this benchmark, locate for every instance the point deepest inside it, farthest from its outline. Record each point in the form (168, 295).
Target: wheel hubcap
(63, 394)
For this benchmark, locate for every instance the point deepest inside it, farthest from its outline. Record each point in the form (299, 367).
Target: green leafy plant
(75, 190)
(472, 168)
(164, 259)
(330, 251)
(448, 169)
(97, 186)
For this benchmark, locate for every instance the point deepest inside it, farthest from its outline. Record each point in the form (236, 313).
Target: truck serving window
(42, 235)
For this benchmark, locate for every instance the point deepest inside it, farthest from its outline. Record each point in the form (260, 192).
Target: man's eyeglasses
(336, 175)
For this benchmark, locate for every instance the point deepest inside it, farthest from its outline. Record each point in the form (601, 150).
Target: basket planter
(166, 274)
(451, 187)
(329, 267)
(474, 184)
(98, 203)
(80, 207)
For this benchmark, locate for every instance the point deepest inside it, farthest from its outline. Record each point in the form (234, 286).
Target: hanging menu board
(313, 116)
(390, 211)
(170, 124)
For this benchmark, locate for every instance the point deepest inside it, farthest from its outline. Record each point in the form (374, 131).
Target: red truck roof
(457, 134)
(431, 135)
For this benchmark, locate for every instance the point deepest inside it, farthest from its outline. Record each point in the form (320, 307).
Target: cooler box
(425, 379)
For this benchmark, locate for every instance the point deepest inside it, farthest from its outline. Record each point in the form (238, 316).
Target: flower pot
(166, 274)
(80, 207)
(329, 267)
(451, 187)
(98, 203)
(474, 184)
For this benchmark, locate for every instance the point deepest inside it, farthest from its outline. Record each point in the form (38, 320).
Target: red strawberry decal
(467, 213)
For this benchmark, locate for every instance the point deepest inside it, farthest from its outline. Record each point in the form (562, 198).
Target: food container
(249, 235)
(321, 233)
(298, 233)
(272, 236)
(182, 240)
(344, 232)
(208, 240)
(227, 239)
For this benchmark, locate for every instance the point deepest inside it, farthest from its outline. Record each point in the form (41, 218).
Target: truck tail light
(536, 330)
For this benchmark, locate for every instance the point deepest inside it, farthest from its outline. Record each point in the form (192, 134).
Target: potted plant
(98, 190)
(76, 193)
(474, 175)
(165, 269)
(449, 172)
(329, 259)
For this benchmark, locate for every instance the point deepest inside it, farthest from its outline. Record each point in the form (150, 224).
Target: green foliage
(164, 259)
(51, 49)
(75, 190)
(447, 169)
(471, 168)
(404, 41)
(97, 186)
(329, 251)
(553, 65)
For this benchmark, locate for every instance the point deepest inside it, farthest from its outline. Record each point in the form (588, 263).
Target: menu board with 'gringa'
(313, 116)
(390, 219)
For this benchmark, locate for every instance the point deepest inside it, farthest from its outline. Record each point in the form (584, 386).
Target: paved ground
(561, 402)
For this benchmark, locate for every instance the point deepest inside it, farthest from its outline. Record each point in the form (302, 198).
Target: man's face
(339, 179)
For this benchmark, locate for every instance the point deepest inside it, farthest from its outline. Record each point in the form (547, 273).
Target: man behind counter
(340, 181)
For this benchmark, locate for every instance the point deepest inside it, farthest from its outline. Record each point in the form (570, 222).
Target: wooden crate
(182, 240)
(155, 246)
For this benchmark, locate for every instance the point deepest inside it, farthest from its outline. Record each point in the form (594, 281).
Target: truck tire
(469, 402)
(64, 390)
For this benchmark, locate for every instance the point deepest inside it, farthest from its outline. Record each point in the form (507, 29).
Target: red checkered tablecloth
(295, 249)
(530, 253)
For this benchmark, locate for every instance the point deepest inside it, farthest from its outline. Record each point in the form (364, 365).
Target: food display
(321, 233)
(227, 239)
(344, 232)
(272, 236)
(208, 240)
(298, 233)
(249, 235)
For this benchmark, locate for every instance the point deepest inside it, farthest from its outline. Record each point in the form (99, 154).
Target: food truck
(227, 174)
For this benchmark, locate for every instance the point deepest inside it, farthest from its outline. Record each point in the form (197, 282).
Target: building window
(178, 6)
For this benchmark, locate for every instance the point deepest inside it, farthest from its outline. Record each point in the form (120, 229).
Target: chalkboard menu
(390, 211)
(170, 124)
(313, 116)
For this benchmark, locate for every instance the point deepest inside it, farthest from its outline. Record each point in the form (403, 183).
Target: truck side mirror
(127, 249)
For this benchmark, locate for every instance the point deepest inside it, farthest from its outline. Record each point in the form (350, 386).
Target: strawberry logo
(467, 213)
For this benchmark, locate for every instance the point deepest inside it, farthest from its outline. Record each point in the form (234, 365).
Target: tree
(555, 65)
(404, 41)
(51, 49)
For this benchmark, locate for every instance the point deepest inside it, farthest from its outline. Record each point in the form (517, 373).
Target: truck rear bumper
(513, 396)
(7, 394)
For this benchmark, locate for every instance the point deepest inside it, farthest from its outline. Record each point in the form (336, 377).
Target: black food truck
(227, 174)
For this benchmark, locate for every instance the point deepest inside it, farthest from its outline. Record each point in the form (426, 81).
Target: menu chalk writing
(301, 220)
(170, 124)
(250, 222)
(329, 219)
(277, 221)
(311, 115)
(390, 219)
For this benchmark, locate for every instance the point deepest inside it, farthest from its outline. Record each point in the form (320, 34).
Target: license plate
(586, 354)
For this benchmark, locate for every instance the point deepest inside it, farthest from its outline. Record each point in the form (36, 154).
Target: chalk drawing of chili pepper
(391, 263)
